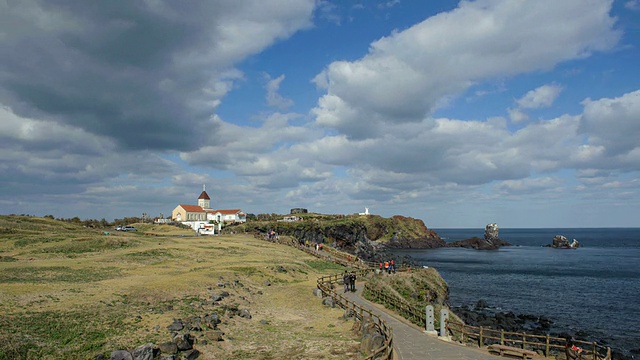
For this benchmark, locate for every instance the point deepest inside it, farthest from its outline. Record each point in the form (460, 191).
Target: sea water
(595, 288)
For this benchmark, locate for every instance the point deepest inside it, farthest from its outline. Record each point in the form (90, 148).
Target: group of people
(349, 279)
(388, 266)
(272, 236)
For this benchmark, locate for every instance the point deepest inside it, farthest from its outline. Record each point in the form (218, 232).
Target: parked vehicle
(128, 228)
(118, 228)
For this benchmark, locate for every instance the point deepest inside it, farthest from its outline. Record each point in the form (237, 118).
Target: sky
(459, 113)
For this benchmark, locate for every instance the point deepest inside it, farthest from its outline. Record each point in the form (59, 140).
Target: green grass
(324, 266)
(84, 245)
(56, 334)
(37, 240)
(56, 274)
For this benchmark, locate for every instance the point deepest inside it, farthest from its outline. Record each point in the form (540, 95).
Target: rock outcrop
(491, 240)
(561, 242)
(478, 244)
(366, 237)
(491, 232)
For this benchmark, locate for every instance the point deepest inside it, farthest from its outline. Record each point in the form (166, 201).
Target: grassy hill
(69, 292)
(345, 228)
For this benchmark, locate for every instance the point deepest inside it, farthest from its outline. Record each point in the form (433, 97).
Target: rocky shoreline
(480, 314)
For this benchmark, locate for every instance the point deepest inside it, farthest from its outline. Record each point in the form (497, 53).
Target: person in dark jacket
(352, 281)
(346, 278)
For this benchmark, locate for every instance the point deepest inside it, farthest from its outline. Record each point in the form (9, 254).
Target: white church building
(203, 219)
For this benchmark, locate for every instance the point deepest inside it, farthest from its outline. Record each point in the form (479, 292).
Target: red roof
(228, 212)
(192, 208)
(204, 195)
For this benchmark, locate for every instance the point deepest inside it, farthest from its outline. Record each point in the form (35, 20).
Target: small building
(202, 218)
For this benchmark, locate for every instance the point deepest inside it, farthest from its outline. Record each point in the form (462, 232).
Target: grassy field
(69, 292)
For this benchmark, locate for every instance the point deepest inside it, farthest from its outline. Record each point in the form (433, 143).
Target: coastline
(580, 291)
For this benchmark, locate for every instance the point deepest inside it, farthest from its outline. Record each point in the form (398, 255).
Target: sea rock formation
(479, 244)
(561, 242)
(491, 232)
(491, 240)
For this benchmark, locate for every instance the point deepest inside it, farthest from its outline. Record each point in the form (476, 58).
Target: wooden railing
(326, 284)
(410, 312)
(548, 345)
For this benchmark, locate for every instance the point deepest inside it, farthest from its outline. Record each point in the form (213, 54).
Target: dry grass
(70, 292)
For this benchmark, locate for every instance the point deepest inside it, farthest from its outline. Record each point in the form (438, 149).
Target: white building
(202, 218)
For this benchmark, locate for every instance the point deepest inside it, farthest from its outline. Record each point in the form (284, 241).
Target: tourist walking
(352, 281)
(345, 279)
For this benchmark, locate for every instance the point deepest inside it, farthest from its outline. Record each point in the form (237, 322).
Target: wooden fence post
(480, 340)
(501, 337)
(547, 346)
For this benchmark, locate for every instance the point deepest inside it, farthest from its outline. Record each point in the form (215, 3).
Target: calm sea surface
(594, 288)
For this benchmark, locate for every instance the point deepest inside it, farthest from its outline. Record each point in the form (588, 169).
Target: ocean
(595, 288)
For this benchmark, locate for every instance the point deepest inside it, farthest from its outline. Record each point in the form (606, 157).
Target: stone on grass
(143, 352)
(121, 355)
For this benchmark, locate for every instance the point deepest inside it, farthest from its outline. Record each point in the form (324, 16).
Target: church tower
(204, 201)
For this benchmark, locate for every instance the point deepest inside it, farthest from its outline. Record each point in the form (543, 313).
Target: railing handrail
(325, 283)
(591, 349)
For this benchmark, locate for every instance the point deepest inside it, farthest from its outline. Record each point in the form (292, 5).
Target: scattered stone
(214, 335)
(168, 347)
(244, 313)
(317, 292)
(177, 325)
(328, 301)
(264, 322)
(144, 352)
(191, 354)
(121, 355)
(184, 341)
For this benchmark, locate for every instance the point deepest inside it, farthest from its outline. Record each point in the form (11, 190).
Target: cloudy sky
(460, 113)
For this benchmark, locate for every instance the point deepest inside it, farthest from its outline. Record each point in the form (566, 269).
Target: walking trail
(410, 342)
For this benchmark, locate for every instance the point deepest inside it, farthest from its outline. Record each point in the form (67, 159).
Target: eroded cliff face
(363, 236)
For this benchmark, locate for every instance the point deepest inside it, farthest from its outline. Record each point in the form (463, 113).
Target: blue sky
(522, 113)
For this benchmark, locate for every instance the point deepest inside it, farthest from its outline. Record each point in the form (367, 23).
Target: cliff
(364, 236)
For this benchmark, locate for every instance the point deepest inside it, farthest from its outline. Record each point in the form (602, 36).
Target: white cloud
(517, 115)
(613, 123)
(541, 97)
(149, 65)
(273, 97)
(633, 5)
(406, 75)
